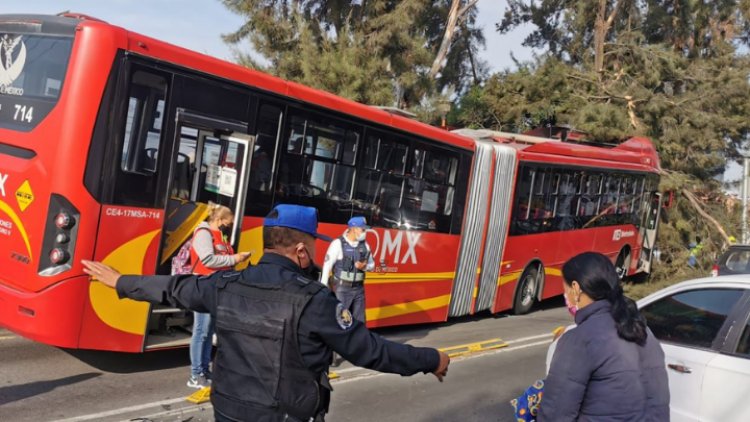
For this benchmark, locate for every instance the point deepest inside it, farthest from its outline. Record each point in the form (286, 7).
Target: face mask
(311, 271)
(571, 308)
(361, 237)
(226, 229)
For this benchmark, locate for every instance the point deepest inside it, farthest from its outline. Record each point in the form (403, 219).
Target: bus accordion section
(568, 197)
(113, 145)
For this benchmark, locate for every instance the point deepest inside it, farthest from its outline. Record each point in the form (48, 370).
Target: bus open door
(649, 227)
(210, 166)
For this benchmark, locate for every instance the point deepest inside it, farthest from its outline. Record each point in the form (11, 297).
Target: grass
(661, 279)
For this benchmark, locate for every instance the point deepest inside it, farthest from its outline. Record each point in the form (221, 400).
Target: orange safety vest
(221, 247)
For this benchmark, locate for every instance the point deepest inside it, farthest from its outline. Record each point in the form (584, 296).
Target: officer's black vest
(259, 374)
(344, 268)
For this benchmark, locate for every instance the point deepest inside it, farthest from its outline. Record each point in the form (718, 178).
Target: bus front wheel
(526, 291)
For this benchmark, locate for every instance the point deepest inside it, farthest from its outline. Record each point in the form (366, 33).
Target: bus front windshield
(32, 70)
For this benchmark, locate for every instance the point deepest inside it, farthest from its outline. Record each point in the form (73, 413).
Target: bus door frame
(649, 227)
(226, 130)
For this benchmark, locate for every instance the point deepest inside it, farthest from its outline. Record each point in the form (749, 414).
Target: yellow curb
(201, 396)
(481, 346)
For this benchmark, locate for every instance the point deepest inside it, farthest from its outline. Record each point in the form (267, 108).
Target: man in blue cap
(276, 326)
(349, 257)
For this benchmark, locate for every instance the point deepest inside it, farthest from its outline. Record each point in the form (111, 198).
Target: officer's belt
(341, 282)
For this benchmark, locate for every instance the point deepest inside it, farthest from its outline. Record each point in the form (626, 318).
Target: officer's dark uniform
(276, 331)
(350, 288)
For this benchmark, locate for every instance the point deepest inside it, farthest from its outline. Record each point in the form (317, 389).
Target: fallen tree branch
(696, 204)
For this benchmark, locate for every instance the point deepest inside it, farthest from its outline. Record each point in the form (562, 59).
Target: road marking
(466, 349)
(366, 374)
(6, 337)
(369, 373)
(180, 413)
(525, 339)
(124, 410)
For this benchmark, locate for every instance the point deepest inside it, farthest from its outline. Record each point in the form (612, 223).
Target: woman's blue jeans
(200, 344)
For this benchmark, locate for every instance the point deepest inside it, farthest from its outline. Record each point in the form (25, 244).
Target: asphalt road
(43, 383)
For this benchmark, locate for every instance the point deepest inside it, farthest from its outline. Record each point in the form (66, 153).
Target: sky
(198, 24)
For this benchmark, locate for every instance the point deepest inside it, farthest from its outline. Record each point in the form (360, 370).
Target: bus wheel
(526, 291)
(622, 264)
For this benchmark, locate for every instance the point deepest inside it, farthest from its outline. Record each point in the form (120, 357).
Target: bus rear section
(39, 223)
(536, 202)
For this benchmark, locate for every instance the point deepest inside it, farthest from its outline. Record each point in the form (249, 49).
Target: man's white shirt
(335, 253)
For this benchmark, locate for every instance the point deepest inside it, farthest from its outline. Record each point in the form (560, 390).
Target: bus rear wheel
(526, 291)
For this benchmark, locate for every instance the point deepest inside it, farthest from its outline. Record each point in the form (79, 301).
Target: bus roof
(163, 51)
(636, 150)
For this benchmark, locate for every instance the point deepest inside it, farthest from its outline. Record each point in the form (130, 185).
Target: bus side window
(317, 168)
(262, 166)
(136, 180)
(381, 180)
(522, 210)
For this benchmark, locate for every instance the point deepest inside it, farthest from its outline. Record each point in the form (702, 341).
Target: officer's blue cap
(297, 217)
(358, 221)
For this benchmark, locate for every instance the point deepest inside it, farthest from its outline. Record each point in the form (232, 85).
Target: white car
(704, 329)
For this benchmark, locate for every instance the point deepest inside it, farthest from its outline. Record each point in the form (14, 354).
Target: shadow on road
(127, 363)
(23, 391)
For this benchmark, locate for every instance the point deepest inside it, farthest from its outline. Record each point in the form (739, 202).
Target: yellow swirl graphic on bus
(126, 315)
(17, 221)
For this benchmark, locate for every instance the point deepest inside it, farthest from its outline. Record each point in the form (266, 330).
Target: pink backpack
(181, 262)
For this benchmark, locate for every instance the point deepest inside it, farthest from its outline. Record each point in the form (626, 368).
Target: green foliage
(673, 71)
(372, 51)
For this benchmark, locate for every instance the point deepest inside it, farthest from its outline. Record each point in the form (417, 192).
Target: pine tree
(382, 52)
(670, 70)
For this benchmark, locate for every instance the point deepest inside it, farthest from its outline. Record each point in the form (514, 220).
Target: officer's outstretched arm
(352, 340)
(100, 272)
(442, 370)
(184, 291)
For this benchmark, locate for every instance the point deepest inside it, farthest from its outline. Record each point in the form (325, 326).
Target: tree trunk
(694, 202)
(450, 29)
(601, 29)
(600, 32)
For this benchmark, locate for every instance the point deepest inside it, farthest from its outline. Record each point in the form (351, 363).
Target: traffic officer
(349, 256)
(276, 326)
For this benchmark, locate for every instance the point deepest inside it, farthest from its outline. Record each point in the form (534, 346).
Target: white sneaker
(198, 382)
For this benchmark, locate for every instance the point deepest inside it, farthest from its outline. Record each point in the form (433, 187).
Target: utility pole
(745, 176)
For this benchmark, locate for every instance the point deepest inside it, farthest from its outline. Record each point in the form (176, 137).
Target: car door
(726, 382)
(690, 325)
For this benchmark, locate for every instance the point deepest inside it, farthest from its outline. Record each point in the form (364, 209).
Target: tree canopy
(380, 52)
(675, 71)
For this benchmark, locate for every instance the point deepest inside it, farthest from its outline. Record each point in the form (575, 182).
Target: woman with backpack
(210, 251)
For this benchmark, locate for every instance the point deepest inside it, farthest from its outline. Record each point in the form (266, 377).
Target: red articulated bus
(113, 143)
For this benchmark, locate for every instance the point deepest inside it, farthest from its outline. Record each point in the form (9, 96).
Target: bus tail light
(61, 229)
(63, 220)
(58, 256)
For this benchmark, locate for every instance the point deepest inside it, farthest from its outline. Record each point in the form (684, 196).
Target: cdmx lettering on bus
(391, 246)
